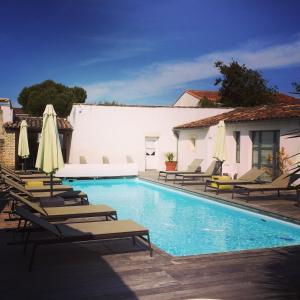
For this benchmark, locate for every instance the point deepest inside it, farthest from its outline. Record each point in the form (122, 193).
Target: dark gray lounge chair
(28, 174)
(68, 212)
(282, 183)
(43, 188)
(249, 177)
(23, 180)
(193, 168)
(213, 169)
(78, 232)
(37, 196)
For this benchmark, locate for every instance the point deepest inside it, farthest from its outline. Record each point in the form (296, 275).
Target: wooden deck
(111, 271)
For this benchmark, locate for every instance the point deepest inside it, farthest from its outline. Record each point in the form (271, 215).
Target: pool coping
(223, 200)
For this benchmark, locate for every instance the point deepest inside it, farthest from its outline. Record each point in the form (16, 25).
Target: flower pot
(171, 165)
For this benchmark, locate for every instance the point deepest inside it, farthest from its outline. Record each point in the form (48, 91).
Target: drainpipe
(176, 133)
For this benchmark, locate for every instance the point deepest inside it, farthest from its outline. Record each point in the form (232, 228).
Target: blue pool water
(183, 224)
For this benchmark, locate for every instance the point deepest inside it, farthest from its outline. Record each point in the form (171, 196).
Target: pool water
(183, 224)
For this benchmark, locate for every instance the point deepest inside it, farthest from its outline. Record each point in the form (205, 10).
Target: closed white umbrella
(49, 158)
(23, 148)
(220, 143)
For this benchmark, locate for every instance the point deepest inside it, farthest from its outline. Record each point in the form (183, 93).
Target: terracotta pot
(171, 165)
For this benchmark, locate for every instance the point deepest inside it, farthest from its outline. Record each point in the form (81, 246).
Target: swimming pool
(183, 224)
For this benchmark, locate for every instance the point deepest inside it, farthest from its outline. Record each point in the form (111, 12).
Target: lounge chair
(129, 159)
(82, 160)
(283, 182)
(24, 180)
(41, 188)
(249, 177)
(37, 196)
(194, 167)
(28, 175)
(213, 169)
(68, 212)
(105, 160)
(78, 232)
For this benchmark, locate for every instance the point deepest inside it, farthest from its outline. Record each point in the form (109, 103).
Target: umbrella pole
(24, 165)
(51, 184)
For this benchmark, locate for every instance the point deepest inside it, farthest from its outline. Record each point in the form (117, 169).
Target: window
(265, 151)
(237, 137)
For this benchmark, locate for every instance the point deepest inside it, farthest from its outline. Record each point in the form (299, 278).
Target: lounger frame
(143, 235)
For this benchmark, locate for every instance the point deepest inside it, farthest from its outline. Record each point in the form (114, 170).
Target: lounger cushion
(96, 229)
(221, 178)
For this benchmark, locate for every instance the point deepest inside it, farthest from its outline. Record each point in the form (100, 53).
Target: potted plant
(170, 163)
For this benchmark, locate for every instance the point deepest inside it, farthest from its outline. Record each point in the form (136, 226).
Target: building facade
(143, 133)
(255, 137)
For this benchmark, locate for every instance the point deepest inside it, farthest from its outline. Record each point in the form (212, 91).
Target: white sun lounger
(98, 170)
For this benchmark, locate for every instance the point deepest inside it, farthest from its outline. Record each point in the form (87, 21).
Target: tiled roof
(282, 98)
(36, 123)
(211, 95)
(264, 112)
(215, 97)
(19, 111)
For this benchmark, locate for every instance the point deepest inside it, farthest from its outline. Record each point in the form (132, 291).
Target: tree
(206, 103)
(35, 98)
(296, 87)
(241, 86)
(110, 103)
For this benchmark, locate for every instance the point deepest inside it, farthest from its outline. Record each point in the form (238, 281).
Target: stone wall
(7, 145)
(8, 149)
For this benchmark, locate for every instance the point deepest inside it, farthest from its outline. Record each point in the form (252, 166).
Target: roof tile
(243, 114)
(36, 123)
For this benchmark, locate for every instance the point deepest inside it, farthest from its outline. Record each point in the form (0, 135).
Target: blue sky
(144, 52)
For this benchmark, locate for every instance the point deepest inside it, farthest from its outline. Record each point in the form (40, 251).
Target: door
(151, 157)
(265, 151)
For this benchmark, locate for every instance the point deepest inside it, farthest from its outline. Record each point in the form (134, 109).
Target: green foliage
(110, 103)
(169, 156)
(241, 86)
(35, 98)
(206, 103)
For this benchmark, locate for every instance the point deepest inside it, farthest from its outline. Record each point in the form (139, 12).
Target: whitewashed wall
(117, 131)
(7, 114)
(205, 143)
(186, 100)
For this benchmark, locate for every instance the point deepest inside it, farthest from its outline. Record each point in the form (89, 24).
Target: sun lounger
(98, 170)
(82, 160)
(194, 167)
(213, 169)
(282, 183)
(41, 188)
(105, 160)
(249, 177)
(37, 196)
(129, 159)
(24, 180)
(68, 212)
(28, 175)
(79, 232)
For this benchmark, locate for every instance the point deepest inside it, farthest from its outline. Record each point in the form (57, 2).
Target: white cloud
(155, 80)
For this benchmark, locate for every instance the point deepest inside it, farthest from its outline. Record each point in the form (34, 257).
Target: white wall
(117, 131)
(205, 143)
(186, 100)
(7, 114)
